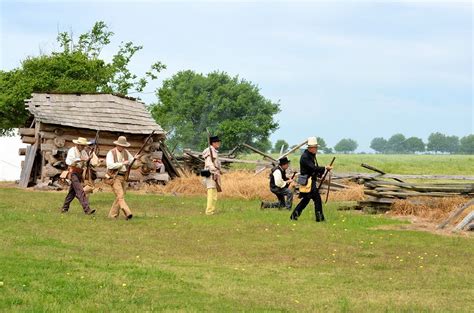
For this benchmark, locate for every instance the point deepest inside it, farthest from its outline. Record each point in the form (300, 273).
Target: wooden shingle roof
(103, 112)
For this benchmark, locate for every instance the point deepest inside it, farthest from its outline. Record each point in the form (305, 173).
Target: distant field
(172, 258)
(395, 164)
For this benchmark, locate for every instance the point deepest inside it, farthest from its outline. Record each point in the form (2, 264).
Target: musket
(129, 167)
(88, 175)
(218, 185)
(329, 188)
(325, 174)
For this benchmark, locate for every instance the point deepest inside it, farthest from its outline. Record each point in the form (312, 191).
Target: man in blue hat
(279, 185)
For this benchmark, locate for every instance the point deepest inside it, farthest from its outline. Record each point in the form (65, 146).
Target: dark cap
(284, 161)
(214, 139)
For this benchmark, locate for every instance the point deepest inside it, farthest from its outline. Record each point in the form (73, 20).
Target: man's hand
(328, 167)
(84, 158)
(126, 162)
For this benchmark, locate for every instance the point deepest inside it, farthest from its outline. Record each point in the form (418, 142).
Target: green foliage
(438, 142)
(230, 107)
(414, 144)
(396, 144)
(467, 144)
(279, 144)
(323, 146)
(346, 145)
(379, 145)
(76, 69)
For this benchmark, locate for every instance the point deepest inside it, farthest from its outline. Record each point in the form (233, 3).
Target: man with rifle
(212, 173)
(309, 173)
(279, 185)
(76, 160)
(119, 161)
(89, 174)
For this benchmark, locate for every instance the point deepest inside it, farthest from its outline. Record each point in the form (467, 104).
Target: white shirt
(111, 165)
(215, 166)
(279, 182)
(73, 157)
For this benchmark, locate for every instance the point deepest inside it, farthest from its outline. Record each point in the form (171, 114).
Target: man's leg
(80, 194)
(318, 207)
(289, 198)
(211, 201)
(69, 197)
(299, 208)
(117, 189)
(123, 205)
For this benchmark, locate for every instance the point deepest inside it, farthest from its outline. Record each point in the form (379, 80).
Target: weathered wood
(47, 147)
(22, 151)
(28, 140)
(379, 171)
(468, 219)
(259, 152)
(28, 165)
(293, 149)
(367, 176)
(26, 132)
(456, 213)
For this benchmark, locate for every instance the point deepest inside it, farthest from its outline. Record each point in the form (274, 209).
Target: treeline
(437, 143)
(398, 144)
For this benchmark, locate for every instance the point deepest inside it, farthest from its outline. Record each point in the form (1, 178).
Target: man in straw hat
(309, 167)
(279, 185)
(213, 166)
(76, 160)
(118, 159)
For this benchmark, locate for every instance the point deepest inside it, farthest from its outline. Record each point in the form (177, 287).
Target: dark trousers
(305, 199)
(285, 199)
(76, 191)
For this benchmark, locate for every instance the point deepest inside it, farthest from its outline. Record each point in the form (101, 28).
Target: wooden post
(456, 213)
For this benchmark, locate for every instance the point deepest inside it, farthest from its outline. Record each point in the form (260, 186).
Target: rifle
(326, 173)
(129, 167)
(218, 184)
(88, 174)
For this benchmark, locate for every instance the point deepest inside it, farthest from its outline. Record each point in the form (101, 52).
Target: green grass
(171, 257)
(390, 163)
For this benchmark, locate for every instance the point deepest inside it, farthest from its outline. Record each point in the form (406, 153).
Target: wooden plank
(468, 219)
(28, 165)
(26, 131)
(456, 213)
(293, 149)
(259, 152)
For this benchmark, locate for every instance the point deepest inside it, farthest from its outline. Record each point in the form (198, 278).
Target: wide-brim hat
(283, 161)
(81, 141)
(312, 142)
(214, 139)
(122, 141)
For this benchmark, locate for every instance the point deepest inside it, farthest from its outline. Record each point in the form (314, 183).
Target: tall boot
(319, 216)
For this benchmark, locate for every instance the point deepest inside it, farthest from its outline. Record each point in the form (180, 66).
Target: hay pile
(432, 209)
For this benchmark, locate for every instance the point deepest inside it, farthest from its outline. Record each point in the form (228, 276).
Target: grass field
(392, 163)
(171, 257)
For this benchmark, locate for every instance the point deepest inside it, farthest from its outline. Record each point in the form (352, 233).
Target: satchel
(302, 180)
(205, 173)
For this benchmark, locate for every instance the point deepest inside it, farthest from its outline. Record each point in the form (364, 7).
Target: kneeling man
(279, 185)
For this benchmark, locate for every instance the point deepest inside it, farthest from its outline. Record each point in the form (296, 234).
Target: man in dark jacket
(309, 166)
(279, 185)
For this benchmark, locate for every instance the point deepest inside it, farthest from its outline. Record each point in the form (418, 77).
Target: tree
(379, 145)
(323, 146)
(346, 146)
(414, 144)
(467, 144)
(75, 69)
(231, 107)
(280, 143)
(396, 144)
(452, 144)
(437, 142)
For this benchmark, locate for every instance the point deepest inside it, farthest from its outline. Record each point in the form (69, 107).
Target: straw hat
(122, 141)
(81, 141)
(312, 142)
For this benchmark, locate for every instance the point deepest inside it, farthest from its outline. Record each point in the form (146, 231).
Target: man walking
(279, 185)
(213, 165)
(118, 159)
(76, 160)
(309, 167)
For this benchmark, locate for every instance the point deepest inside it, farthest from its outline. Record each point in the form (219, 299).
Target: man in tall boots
(76, 160)
(213, 165)
(309, 166)
(279, 185)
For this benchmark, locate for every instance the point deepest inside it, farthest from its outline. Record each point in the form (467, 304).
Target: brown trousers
(76, 191)
(119, 187)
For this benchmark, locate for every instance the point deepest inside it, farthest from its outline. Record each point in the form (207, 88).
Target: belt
(121, 174)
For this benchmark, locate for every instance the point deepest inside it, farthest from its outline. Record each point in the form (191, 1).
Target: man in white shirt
(118, 159)
(213, 165)
(76, 160)
(279, 185)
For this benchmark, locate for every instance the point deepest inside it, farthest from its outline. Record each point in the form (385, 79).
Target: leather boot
(319, 217)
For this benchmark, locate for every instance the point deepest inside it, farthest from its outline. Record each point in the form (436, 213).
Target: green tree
(414, 144)
(396, 144)
(278, 144)
(230, 107)
(379, 144)
(75, 69)
(346, 146)
(436, 142)
(467, 144)
(323, 146)
(452, 144)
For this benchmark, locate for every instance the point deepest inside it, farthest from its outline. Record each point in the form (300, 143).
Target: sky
(339, 69)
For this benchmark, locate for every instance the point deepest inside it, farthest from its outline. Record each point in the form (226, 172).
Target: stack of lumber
(382, 190)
